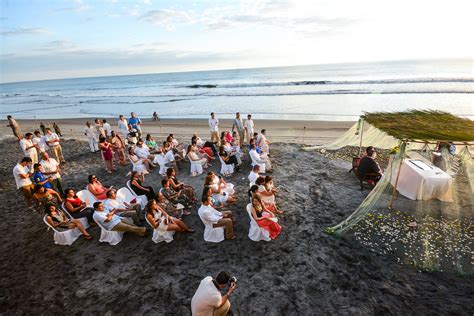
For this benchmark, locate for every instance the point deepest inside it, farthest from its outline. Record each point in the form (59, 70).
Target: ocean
(335, 92)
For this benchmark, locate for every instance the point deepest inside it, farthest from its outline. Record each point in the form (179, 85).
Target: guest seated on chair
(43, 196)
(253, 176)
(219, 219)
(141, 165)
(263, 216)
(267, 196)
(173, 196)
(260, 159)
(174, 210)
(159, 219)
(96, 188)
(368, 168)
(180, 186)
(134, 211)
(220, 190)
(229, 158)
(139, 189)
(111, 221)
(59, 220)
(76, 207)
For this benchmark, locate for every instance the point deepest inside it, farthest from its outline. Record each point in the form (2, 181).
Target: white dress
(138, 165)
(267, 199)
(162, 227)
(228, 187)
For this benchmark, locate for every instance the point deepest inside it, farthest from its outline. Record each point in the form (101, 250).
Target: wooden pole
(394, 191)
(361, 136)
(304, 132)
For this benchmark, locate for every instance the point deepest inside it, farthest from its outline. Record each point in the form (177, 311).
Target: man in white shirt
(170, 160)
(22, 174)
(142, 151)
(214, 128)
(253, 176)
(263, 142)
(40, 142)
(208, 300)
(124, 209)
(52, 139)
(239, 125)
(29, 148)
(89, 131)
(52, 171)
(110, 221)
(99, 128)
(249, 127)
(208, 214)
(123, 126)
(259, 159)
(107, 128)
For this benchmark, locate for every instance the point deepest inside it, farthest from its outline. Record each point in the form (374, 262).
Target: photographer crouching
(208, 300)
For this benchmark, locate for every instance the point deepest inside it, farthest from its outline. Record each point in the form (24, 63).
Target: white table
(421, 181)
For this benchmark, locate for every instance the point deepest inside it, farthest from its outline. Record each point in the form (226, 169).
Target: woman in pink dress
(118, 147)
(107, 154)
(96, 188)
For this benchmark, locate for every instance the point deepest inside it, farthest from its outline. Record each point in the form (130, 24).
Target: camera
(233, 279)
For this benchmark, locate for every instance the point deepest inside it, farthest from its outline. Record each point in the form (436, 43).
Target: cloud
(78, 6)
(24, 31)
(58, 45)
(166, 17)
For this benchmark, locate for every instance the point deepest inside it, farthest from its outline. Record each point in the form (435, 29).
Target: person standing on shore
(40, 142)
(214, 128)
(135, 123)
(57, 130)
(107, 128)
(22, 175)
(208, 300)
(52, 139)
(15, 127)
(239, 125)
(43, 128)
(52, 169)
(91, 137)
(29, 148)
(249, 128)
(99, 128)
(123, 126)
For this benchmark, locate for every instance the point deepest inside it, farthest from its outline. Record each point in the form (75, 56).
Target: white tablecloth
(420, 181)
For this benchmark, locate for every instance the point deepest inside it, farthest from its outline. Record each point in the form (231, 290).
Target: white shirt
(209, 214)
(20, 182)
(50, 166)
(206, 299)
(90, 132)
(142, 152)
(249, 125)
(25, 143)
(51, 137)
(107, 129)
(214, 124)
(100, 217)
(169, 157)
(253, 176)
(110, 204)
(41, 142)
(255, 156)
(123, 125)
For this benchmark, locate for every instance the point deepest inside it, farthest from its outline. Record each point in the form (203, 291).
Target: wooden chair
(370, 179)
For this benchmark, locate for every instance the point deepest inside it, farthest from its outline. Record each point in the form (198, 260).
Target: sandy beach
(302, 272)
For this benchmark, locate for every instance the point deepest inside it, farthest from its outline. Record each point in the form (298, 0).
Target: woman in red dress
(107, 154)
(264, 217)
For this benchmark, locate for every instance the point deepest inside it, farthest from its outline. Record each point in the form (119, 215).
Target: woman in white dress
(162, 222)
(221, 190)
(194, 157)
(139, 165)
(123, 126)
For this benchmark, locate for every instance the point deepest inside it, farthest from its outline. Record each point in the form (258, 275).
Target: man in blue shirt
(110, 221)
(135, 123)
(39, 178)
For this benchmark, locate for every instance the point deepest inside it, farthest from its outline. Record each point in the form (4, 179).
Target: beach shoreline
(301, 132)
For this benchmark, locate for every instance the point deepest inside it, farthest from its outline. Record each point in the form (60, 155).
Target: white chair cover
(262, 165)
(212, 234)
(83, 220)
(196, 167)
(126, 195)
(256, 233)
(142, 197)
(110, 236)
(159, 236)
(65, 238)
(87, 196)
(160, 160)
(225, 168)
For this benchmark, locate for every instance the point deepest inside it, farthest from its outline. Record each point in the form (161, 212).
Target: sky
(48, 39)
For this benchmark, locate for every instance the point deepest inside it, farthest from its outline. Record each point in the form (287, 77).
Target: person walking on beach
(57, 130)
(91, 137)
(99, 128)
(135, 123)
(29, 148)
(22, 174)
(52, 139)
(249, 128)
(107, 128)
(42, 128)
(214, 128)
(123, 126)
(15, 127)
(208, 300)
(239, 125)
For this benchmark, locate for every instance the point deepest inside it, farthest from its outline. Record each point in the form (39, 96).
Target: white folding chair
(226, 169)
(160, 237)
(87, 196)
(160, 160)
(65, 238)
(110, 236)
(126, 195)
(256, 233)
(83, 220)
(196, 167)
(142, 197)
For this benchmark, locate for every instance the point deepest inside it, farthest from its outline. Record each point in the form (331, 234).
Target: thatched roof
(423, 125)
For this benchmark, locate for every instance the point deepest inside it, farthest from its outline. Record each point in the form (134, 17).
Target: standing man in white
(249, 127)
(214, 128)
(29, 148)
(89, 131)
(52, 139)
(239, 125)
(123, 126)
(107, 128)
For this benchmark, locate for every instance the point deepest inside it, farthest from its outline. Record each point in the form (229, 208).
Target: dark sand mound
(302, 272)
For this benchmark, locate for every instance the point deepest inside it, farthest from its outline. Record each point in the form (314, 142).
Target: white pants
(93, 145)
